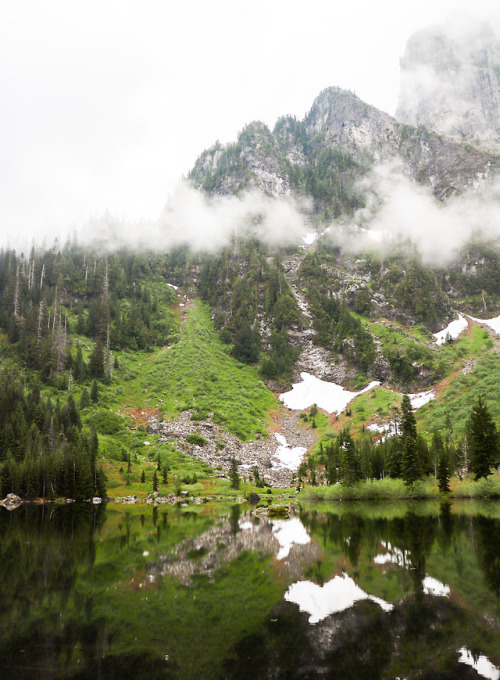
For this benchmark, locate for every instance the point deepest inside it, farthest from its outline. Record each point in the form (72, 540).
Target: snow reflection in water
(434, 587)
(335, 596)
(482, 664)
(289, 532)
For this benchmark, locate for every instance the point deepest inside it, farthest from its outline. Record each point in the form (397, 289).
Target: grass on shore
(396, 489)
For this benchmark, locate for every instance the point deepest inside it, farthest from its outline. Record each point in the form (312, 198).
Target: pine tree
(84, 399)
(443, 472)
(94, 392)
(96, 360)
(143, 477)
(349, 468)
(155, 482)
(410, 462)
(101, 488)
(483, 441)
(235, 478)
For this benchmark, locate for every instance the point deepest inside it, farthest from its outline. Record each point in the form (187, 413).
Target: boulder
(11, 501)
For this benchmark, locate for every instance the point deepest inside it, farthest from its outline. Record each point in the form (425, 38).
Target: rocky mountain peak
(450, 82)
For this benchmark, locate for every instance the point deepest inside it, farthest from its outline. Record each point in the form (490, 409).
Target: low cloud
(204, 223)
(397, 210)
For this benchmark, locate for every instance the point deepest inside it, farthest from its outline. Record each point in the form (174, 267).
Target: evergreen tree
(350, 470)
(143, 477)
(101, 487)
(96, 360)
(84, 399)
(410, 463)
(443, 472)
(246, 344)
(483, 441)
(94, 392)
(235, 477)
(155, 481)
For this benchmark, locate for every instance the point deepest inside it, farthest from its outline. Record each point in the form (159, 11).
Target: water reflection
(355, 592)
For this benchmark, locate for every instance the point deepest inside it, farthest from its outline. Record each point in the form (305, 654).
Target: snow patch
(172, 286)
(326, 395)
(378, 428)
(309, 238)
(372, 234)
(421, 398)
(335, 596)
(494, 324)
(245, 525)
(482, 665)
(289, 532)
(286, 457)
(434, 587)
(395, 556)
(452, 330)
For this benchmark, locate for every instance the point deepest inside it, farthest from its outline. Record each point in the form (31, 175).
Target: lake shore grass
(395, 490)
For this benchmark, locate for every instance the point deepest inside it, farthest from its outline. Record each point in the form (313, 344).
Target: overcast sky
(106, 103)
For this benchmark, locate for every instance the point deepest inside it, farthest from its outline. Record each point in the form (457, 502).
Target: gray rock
(11, 501)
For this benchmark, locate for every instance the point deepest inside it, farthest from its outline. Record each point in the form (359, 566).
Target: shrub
(107, 422)
(196, 439)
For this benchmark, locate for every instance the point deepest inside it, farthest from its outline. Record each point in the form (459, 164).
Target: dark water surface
(337, 591)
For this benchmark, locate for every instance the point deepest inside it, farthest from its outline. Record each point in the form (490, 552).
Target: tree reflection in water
(93, 593)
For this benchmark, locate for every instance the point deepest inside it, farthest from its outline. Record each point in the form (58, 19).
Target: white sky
(106, 103)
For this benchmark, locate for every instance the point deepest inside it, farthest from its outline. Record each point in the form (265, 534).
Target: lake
(214, 591)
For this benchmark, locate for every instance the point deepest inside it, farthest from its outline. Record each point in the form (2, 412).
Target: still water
(335, 591)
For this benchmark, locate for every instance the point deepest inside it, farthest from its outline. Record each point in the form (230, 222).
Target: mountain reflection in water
(358, 591)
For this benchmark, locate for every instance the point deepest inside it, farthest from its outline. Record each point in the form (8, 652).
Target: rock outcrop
(11, 501)
(341, 139)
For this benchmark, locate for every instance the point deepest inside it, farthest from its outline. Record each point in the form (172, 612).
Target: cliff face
(451, 83)
(324, 156)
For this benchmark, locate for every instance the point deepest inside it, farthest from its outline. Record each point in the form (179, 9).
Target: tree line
(406, 455)
(44, 450)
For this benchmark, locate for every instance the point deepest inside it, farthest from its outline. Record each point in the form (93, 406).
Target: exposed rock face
(324, 156)
(253, 162)
(450, 82)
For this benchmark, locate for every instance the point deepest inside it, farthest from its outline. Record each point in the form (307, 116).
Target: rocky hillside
(324, 156)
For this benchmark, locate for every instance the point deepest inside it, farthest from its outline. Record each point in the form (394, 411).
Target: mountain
(164, 367)
(450, 83)
(324, 156)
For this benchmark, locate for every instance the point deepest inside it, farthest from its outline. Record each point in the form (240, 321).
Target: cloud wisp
(397, 210)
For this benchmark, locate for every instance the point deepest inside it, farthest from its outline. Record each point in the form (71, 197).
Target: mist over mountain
(428, 175)
(450, 82)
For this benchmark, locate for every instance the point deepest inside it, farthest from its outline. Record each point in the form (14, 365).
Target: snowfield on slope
(452, 330)
(419, 399)
(494, 323)
(326, 395)
(286, 456)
